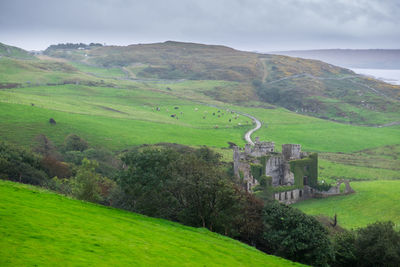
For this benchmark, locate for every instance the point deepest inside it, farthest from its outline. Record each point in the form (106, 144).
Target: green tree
(181, 184)
(344, 249)
(203, 192)
(144, 179)
(291, 234)
(75, 143)
(378, 244)
(20, 165)
(86, 183)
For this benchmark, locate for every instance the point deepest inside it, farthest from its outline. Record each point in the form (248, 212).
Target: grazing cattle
(176, 107)
(213, 113)
(173, 115)
(52, 121)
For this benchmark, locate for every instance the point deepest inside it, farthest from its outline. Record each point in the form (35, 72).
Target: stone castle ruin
(291, 174)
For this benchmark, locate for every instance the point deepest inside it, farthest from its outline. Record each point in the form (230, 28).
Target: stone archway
(348, 189)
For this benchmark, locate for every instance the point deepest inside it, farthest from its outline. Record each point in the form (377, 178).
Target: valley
(120, 98)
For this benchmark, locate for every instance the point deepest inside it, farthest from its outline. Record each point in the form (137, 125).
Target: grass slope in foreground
(43, 228)
(373, 201)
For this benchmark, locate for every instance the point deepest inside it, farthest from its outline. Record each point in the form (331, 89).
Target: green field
(282, 126)
(136, 107)
(119, 113)
(43, 228)
(373, 201)
(101, 72)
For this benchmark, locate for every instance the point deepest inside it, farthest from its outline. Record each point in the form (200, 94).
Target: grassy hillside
(23, 73)
(373, 201)
(15, 52)
(321, 90)
(117, 113)
(121, 117)
(305, 86)
(172, 60)
(282, 127)
(43, 228)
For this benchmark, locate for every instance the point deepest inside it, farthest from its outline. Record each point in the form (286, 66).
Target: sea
(388, 76)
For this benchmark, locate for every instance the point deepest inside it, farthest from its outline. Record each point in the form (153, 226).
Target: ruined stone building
(292, 171)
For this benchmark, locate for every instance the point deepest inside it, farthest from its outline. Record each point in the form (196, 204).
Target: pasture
(373, 201)
(43, 228)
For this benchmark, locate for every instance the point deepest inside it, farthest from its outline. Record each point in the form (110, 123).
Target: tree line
(73, 46)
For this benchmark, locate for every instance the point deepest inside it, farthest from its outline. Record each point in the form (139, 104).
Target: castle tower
(291, 151)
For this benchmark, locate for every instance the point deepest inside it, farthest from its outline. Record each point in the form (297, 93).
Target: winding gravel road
(248, 134)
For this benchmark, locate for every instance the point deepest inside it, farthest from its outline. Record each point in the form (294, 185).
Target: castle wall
(291, 151)
(279, 170)
(295, 195)
(292, 167)
(274, 169)
(236, 159)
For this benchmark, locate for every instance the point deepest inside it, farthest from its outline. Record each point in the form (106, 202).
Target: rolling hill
(305, 86)
(15, 52)
(44, 228)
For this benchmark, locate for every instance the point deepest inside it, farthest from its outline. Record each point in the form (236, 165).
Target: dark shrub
(53, 167)
(17, 164)
(345, 250)
(291, 234)
(378, 244)
(75, 143)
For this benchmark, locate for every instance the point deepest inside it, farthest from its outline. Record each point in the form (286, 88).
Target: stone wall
(279, 170)
(335, 190)
(294, 195)
(259, 149)
(291, 151)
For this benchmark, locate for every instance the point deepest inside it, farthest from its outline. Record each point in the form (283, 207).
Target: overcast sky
(254, 25)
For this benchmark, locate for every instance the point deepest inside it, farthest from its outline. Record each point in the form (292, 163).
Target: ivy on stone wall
(264, 160)
(284, 188)
(265, 190)
(241, 175)
(256, 171)
(305, 167)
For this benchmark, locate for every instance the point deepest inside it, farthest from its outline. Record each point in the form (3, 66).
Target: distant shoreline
(386, 75)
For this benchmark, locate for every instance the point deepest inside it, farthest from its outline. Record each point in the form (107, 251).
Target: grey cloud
(244, 24)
